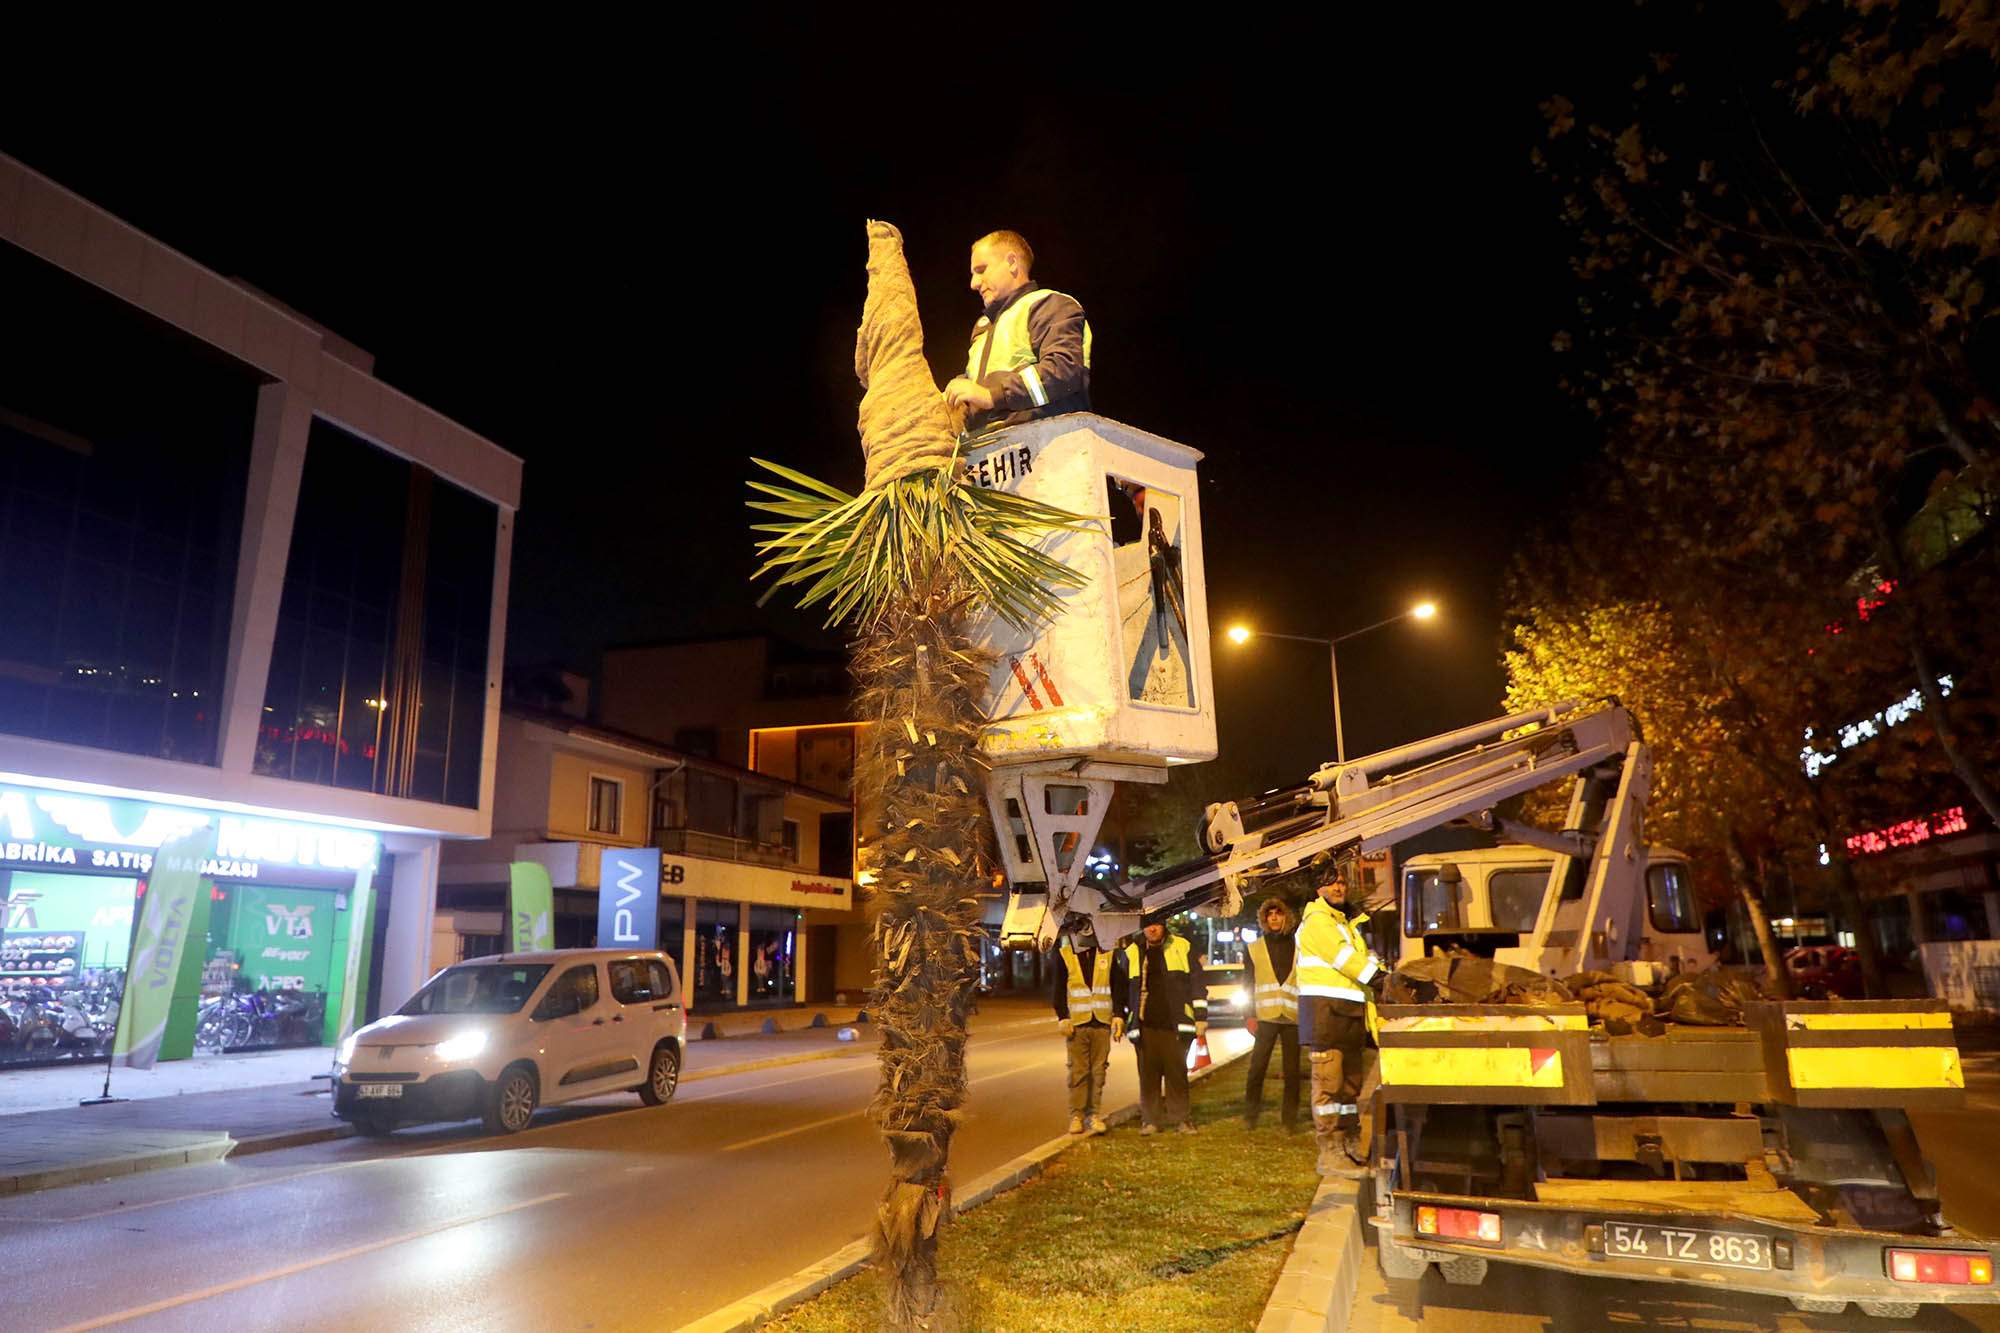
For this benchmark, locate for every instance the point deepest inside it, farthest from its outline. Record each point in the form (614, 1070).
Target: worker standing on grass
(1082, 999)
(1167, 1009)
(1276, 998)
(1335, 969)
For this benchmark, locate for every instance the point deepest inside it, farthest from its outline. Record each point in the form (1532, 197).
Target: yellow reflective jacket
(1277, 997)
(1334, 959)
(1089, 1001)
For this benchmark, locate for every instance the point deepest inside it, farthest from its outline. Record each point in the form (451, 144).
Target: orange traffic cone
(1198, 1055)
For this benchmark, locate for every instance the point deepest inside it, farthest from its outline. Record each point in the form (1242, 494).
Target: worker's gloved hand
(1065, 1026)
(1117, 1029)
(1200, 1031)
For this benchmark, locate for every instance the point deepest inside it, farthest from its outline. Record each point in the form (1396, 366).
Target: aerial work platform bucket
(1117, 686)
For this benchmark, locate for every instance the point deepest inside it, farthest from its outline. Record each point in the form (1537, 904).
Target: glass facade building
(122, 458)
(378, 671)
(245, 587)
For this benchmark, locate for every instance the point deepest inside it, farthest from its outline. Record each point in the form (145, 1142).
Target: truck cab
(1516, 904)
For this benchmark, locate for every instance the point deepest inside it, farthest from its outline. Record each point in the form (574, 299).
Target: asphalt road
(1961, 1147)
(604, 1215)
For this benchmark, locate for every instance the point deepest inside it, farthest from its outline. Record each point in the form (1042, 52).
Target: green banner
(166, 919)
(359, 921)
(531, 902)
(282, 937)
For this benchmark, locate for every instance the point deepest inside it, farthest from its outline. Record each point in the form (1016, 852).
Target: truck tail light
(1459, 1224)
(1942, 1267)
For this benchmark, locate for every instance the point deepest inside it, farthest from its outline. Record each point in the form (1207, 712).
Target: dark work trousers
(1089, 1059)
(1339, 1045)
(1162, 1064)
(1271, 1033)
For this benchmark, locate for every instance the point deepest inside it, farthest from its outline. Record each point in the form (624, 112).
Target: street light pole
(1242, 634)
(1339, 736)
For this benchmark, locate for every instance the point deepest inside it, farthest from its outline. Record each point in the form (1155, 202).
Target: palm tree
(918, 561)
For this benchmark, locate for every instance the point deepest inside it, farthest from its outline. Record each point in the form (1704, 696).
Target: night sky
(1314, 250)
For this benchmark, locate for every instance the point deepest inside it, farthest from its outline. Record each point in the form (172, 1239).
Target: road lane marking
(304, 1265)
(849, 1115)
(432, 1150)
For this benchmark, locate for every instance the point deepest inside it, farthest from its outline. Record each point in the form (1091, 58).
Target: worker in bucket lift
(1030, 353)
(1336, 969)
(1082, 996)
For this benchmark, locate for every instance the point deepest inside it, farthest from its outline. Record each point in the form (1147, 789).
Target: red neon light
(1908, 833)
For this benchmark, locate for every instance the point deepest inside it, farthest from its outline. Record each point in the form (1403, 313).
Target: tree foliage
(1785, 229)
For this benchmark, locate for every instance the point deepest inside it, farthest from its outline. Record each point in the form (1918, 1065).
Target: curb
(767, 1302)
(130, 1164)
(1321, 1278)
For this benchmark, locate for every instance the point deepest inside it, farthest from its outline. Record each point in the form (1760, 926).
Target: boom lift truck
(1774, 1157)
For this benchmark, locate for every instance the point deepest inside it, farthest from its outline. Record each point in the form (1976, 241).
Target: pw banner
(166, 919)
(628, 898)
(531, 902)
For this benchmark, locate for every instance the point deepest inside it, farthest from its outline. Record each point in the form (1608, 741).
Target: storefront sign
(530, 907)
(41, 955)
(166, 920)
(107, 833)
(628, 903)
(734, 881)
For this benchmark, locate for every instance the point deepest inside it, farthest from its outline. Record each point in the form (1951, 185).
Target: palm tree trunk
(919, 782)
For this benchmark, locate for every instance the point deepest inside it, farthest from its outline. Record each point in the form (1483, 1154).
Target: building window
(792, 839)
(123, 453)
(378, 671)
(607, 796)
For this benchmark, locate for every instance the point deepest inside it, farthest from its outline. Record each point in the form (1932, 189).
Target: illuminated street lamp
(1243, 634)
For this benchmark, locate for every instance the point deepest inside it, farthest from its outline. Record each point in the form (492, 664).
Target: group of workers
(1153, 992)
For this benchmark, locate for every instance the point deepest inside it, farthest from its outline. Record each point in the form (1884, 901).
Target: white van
(497, 1037)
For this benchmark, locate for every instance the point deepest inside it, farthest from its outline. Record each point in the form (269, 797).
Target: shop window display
(715, 947)
(62, 964)
(773, 937)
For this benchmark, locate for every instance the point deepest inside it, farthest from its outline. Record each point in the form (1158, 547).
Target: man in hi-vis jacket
(1335, 971)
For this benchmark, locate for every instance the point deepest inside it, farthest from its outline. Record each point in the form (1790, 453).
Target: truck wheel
(1817, 1304)
(1463, 1270)
(510, 1102)
(1400, 1262)
(1891, 1309)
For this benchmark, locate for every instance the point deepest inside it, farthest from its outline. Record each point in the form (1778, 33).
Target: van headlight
(345, 1055)
(462, 1047)
(1239, 997)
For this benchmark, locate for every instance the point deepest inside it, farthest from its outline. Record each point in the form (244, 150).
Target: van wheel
(663, 1075)
(511, 1101)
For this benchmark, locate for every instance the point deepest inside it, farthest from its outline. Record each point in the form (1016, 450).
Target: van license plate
(379, 1090)
(1723, 1249)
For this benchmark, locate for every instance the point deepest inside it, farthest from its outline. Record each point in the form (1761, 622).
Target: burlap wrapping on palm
(912, 560)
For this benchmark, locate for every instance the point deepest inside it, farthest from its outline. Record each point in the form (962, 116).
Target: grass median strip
(1161, 1232)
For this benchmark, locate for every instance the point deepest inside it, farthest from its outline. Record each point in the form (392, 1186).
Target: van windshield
(478, 988)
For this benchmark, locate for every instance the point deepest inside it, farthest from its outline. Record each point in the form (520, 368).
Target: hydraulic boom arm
(1369, 803)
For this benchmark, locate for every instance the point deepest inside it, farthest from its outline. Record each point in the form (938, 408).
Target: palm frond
(854, 552)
